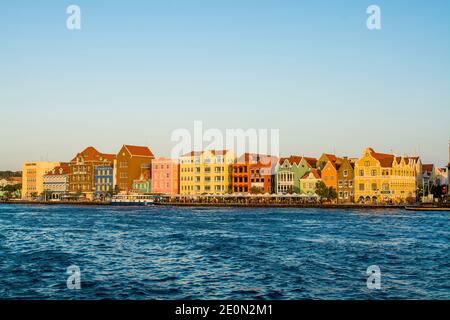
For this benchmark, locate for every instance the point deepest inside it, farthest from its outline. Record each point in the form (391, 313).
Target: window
(123, 164)
(361, 187)
(374, 187)
(361, 173)
(345, 173)
(374, 173)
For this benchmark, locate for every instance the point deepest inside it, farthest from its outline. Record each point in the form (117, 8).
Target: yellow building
(33, 177)
(206, 172)
(383, 178)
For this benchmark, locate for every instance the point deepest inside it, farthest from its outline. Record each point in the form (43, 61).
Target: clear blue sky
(140, 69)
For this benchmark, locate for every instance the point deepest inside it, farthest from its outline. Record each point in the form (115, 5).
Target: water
(222, 253)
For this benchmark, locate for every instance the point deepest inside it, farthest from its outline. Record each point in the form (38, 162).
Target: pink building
(165, 175)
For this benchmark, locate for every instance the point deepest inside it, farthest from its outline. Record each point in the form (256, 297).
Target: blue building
(103, 182)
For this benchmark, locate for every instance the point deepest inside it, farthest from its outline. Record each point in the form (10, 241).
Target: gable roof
(330, 157)
(314, 172)
(292, 160)
(312, 162)
(385, 159)
(92, 154)
(139, 151)
(219, 152)
(88, 154)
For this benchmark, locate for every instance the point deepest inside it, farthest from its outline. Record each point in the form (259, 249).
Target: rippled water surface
(215, 253)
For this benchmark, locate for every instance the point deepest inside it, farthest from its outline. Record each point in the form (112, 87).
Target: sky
(138, 70)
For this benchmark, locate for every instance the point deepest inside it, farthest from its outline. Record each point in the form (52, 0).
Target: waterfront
(222, 253)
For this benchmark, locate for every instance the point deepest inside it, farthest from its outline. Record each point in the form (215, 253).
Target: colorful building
(308, 183)
(33, 177)
(103, 181)
(345, 176)
(384, 178)
(206, 172)
(289, 171)
(82, 171)
(329, 174)
(324, 159)
(143, 184)
(253, 173)
(56, 182)
(132, 162)
(165, 176)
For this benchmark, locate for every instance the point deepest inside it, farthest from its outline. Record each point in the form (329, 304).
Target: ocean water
(222, 253)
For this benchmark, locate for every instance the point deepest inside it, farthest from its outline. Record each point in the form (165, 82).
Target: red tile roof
(312, 162)
(292, 160)
(92, 154)
(314, 172)
(331, 157)
(386, 160)
(219, 152)
(59, 170)
(139, 151)
(427, 167)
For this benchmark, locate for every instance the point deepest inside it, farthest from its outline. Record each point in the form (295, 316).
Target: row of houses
(373, 177)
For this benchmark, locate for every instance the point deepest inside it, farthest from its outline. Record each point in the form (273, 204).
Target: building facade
(103, 181)
(165, 176)
(345, 177)
(329, 174)
(82, 171)
(142, 185)
(384, 178)
(132, 162)
(254, 173)
(56, 182)
(206, 172)
(289, 171)
(33, 177)
(309, 182)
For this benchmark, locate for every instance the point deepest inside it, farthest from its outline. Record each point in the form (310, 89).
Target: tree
(324, 192)
(332, 194)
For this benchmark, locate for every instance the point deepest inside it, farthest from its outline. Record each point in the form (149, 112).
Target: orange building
(132, 163)
(253, 173)
(329, 174)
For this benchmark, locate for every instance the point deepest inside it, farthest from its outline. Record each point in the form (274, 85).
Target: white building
(56, 182)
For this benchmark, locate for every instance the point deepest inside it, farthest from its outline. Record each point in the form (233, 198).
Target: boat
(132, 199)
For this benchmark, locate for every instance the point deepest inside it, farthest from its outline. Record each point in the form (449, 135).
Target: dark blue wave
(209, 253)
